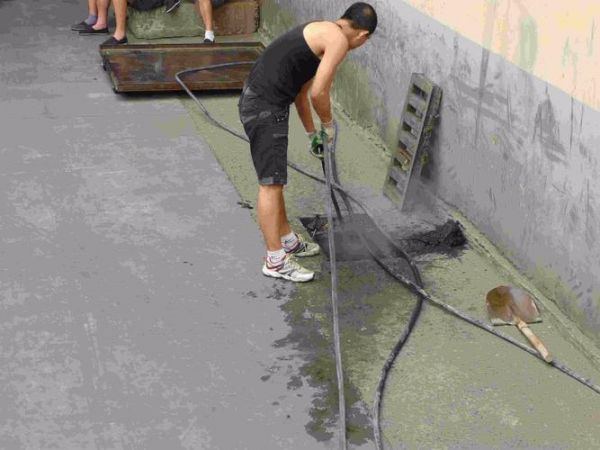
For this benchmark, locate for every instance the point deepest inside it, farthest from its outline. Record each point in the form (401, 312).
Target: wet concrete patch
(373, 311)
(308, 315)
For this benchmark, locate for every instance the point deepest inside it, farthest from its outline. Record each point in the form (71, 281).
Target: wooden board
(152, 67)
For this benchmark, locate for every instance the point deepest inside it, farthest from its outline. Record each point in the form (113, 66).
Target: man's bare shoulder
(324, 27)
(322, 34)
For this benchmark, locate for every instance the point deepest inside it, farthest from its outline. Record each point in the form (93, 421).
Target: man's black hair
(362, 16)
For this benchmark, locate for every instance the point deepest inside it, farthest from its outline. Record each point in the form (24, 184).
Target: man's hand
(329, 132)
(316, 144)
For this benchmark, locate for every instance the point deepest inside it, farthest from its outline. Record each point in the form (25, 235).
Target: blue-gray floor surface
(134, 315)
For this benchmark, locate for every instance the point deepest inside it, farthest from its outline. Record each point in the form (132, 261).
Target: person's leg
(90, 20)
(206, 12)
(102, 9)
(267, 129)
(92, 12)
(272, 218)
(120, 7)
(294, 244)
(291, 242)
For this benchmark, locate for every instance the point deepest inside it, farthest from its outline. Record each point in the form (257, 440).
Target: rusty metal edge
(204, 86)
(203, 47)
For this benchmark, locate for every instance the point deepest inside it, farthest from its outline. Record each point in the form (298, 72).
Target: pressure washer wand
(336, 205)
(328, 167)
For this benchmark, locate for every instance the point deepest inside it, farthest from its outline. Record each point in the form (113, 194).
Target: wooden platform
(152, 67)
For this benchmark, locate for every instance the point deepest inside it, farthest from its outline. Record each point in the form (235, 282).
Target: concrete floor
(135, 315)
(132, 313)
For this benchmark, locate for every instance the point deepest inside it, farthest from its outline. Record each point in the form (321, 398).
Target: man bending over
(298, 67)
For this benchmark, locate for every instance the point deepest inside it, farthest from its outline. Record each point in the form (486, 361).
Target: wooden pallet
(152, 67)
(414, 139)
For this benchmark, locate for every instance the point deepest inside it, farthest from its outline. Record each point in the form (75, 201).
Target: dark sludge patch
(447, 238)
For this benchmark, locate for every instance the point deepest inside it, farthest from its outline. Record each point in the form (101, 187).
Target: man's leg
(119, 36)
(267, 127)
(102, 21)
(91, 18)
(206, 12)
(284, 226)
(120, 7)
(293, 243)
(273, 222)
(92, 12)
(271, 215)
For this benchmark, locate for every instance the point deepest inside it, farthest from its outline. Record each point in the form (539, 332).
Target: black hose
(416, 312)
(329, 175)
(416, 288)
(336, 205)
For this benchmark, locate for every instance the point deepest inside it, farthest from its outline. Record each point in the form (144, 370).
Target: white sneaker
(288, 270)
(303, 248)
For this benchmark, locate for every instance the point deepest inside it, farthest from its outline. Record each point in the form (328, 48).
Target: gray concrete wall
(517, 156)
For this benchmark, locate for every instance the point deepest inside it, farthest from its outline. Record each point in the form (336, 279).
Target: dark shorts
(266, 126)
(147, 5)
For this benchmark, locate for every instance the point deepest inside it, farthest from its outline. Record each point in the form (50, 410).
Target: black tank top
(283, 68)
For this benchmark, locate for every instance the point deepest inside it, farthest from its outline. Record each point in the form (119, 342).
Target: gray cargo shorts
(266, 126)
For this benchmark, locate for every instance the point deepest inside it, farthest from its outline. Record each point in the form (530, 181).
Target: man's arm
(303, 106)
(336, 47)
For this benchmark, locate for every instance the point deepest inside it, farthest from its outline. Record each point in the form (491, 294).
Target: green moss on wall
(274, 20)
(351, 91)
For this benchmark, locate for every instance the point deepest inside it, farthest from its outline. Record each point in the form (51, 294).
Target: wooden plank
(152, 67)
